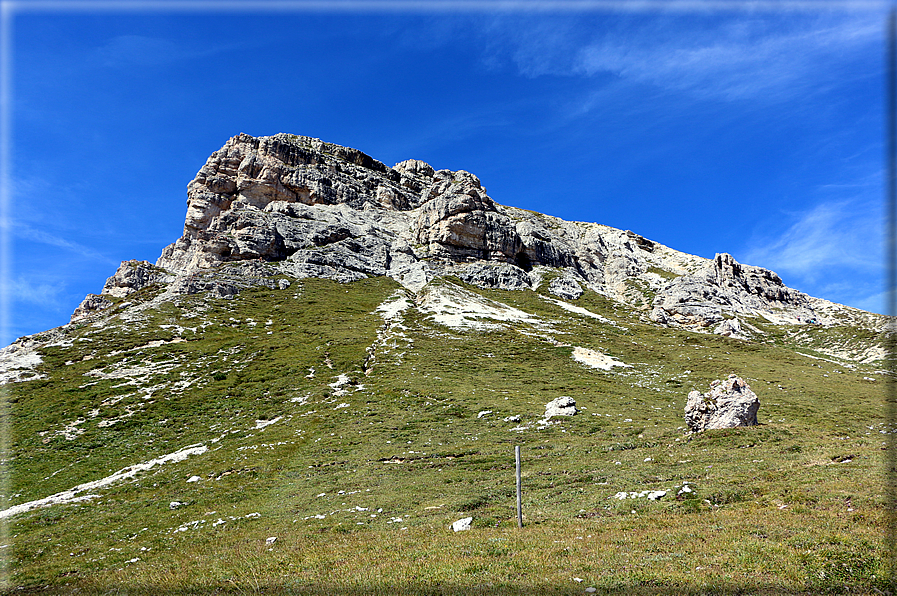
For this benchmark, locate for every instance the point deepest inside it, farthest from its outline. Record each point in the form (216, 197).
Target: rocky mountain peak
(298, 206)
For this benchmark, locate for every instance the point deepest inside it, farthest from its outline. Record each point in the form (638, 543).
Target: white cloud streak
(765, 58)
(741, 61)
(140, 50)
(832, 236)
(26, 232)
(45, 295)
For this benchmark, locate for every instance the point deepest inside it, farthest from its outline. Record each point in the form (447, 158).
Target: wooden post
(519, 505)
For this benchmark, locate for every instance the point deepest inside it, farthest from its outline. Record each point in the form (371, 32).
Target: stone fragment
(728, 404)
(462, 524)
(730, 328)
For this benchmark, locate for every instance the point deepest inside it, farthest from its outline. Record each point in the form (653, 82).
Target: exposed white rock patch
(129, 411)
(337, 385)
(137, 373)
(18, 361)
(72, 430)
(72, 495)
(580, 311)
(152, 344)
(260, 424)
(391, 336)
(392, 307)
(653, 495)
(596, 359)
(455, 307)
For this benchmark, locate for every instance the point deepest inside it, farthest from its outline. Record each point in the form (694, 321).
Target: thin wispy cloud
(139, 50)
(744, 63)
(23, 231)
(719, 58)
(846, 234)
(43, 294)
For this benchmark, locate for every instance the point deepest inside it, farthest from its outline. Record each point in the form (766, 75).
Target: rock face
(728, 404)
(317, 209)
(295, 206)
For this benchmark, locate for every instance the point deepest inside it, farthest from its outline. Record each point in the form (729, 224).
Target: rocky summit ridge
(300, 207)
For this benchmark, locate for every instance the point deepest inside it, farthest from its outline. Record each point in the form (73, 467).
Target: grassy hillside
(356, 439)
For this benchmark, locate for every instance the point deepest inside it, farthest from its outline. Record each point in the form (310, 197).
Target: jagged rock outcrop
(295, 206)
(727, 286)
(730, 328)
(92, 303)
(565, 287)
(728, 404)
(459, 221)
(318, 209)
(134, 275)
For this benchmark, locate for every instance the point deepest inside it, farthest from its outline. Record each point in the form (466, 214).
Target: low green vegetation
(356, 443)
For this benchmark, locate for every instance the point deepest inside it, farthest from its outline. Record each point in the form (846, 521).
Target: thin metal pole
(519, 503)
(891, 291)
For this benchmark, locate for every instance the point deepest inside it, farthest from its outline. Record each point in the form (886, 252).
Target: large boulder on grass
(728, 404)
(561, 406)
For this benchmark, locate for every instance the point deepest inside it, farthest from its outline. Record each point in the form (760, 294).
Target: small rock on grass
(462, 524)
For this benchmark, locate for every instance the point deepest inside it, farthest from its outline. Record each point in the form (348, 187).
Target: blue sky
(739, 129)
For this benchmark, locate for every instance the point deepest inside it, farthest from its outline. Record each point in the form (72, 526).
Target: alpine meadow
(335, 361)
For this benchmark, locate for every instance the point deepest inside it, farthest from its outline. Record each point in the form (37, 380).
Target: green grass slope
(356, 441)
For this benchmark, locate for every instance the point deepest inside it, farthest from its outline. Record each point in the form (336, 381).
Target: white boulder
(728, 404)
(462, 524)
(561, 406)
